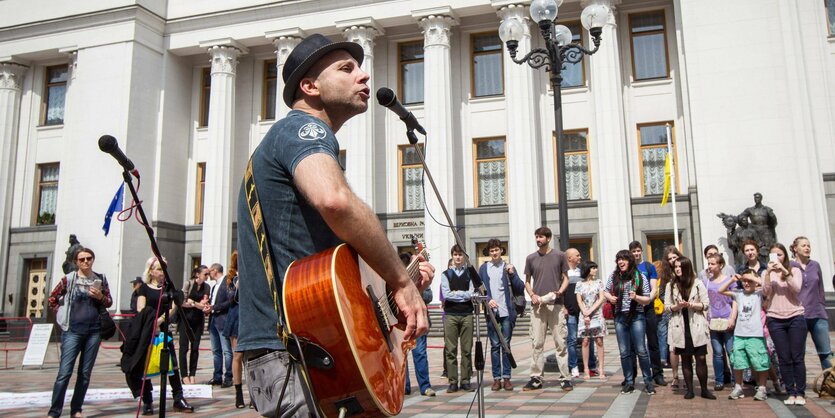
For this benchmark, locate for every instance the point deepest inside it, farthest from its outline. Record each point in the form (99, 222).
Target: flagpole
(673, 183)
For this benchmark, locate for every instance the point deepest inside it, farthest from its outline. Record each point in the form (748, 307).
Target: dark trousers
(789, 336)
(652, 343)
(188, 360)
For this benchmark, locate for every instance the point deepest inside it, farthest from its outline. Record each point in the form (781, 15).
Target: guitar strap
(291, 342)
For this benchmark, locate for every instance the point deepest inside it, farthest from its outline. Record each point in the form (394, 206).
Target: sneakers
(737, 393)
(453, 387)
(593, 373)
(566, 386)
(761, 394)
(627, 389)
(650, 390)
(718, 387)
(429, 392)
(800, 400)
(575, 372)
(465, 386)
(659, 380)
(790, 400)
(534, 384)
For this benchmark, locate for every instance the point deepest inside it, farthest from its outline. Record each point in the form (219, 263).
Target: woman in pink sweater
(786, 323)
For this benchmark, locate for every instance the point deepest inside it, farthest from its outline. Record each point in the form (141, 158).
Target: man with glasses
(221, 345)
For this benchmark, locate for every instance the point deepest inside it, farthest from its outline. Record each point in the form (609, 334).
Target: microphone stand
(491, 317)
(479, 301)
(168, 290)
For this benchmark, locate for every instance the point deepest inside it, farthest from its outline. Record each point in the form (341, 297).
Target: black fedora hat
(310, 50)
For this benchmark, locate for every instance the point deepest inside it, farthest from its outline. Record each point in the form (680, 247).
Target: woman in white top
(591, 325)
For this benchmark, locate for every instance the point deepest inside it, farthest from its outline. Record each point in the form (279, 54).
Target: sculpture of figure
(69, 262)
(732, 232)
(762, 222)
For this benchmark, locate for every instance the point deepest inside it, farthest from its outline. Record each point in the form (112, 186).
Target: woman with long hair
(591, 325)
(721, 318)
(150, 298)
(192, 316)
(629, 291)
(230, 329)
(81, 294)
(812, 298)
(688, 328)
(786, 321)
(665, 276)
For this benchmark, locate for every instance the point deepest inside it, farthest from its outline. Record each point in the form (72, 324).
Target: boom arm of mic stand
(480, 288)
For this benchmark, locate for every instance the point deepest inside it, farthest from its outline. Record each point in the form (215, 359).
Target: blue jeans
(498, 357)
(722, 343)
(819, 328)
(663, 347)
(632, 340)
(789, 336)
(221, 354)
(421, 366)
(572, 342)
(72, 345)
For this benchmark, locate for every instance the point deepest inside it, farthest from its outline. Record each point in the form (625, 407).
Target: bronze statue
(756, 223)
(69, 262)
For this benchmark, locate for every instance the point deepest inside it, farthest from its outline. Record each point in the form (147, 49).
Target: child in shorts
(750, 349)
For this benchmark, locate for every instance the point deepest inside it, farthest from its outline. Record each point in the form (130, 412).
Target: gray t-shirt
(295, 229)
(546, 270)
(748, 321)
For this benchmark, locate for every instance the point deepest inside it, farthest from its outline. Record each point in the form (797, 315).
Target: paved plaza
(595, 398)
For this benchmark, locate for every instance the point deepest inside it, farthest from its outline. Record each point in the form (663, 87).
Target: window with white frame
(577, 172)
(487, 76)
(46, 194)
(55, 94)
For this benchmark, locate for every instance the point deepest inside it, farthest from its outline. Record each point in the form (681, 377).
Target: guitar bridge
(383, 312)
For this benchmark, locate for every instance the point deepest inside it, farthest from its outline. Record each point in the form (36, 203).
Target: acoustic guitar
(334, 299)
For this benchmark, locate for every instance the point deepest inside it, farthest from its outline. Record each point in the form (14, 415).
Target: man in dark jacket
(501, 280)
(221, 345)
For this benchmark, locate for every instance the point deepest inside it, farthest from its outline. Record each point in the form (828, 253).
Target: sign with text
(36, 347)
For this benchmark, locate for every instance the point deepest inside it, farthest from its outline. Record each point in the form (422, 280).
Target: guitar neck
(413, 269)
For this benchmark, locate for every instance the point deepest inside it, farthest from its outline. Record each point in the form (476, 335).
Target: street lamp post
(558, 50)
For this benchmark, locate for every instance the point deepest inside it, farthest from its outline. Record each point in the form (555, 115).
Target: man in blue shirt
(307, 206)
(648, 270)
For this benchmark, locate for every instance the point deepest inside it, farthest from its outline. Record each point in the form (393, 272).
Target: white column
(608, 146)
(284, 42)
(11, 82)
(524, 197)
(437, 30)
(359, 146)
(217, 209)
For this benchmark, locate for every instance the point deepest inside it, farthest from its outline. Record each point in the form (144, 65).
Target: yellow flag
(666, 180)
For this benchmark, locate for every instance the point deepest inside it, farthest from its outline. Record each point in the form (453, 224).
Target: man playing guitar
(306, 205)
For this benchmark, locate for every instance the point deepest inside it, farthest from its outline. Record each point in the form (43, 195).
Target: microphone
(109, 145)
(386, 97)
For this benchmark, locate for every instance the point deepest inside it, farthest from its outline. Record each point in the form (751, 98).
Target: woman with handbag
(786, 322)
(149, 299)
(721, 319)
(629, 291)
(665, 276)
(687, 299)
(78, 300)
(196, 298)
(591, 326)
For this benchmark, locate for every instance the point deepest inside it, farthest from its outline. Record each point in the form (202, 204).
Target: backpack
(826, 389)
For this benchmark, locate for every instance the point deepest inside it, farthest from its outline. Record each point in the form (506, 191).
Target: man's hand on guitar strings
(411, 309)
(427, 272)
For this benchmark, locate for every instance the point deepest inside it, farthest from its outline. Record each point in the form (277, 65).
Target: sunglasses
(85, 259)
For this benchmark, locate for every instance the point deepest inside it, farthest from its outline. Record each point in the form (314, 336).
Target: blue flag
(115, 205)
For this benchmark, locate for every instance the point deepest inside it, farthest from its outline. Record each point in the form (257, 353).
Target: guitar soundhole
(381, 316)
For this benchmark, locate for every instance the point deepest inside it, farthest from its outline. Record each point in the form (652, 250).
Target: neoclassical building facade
(189, 88)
